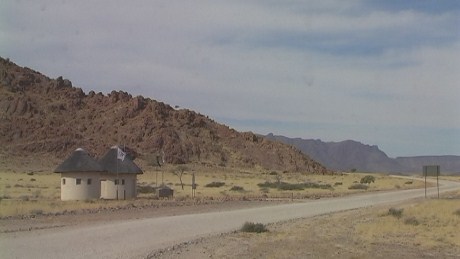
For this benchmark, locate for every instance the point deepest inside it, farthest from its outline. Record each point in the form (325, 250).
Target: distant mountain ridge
(349, 154)
(450, 164)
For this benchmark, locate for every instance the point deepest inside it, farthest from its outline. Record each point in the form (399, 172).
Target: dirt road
(137, 238)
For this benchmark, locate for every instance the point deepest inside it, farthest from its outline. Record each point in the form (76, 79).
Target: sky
(384, 73)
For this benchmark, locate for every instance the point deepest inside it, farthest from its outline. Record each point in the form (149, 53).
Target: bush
(294, 186)
(457, 212)
(358, 186)
(237, 188)
(264, 190)
(253, 227)
(411, 221)
(397, 213)
(36, 212)
(268, 185)
(368, 179)
(338, 183)
(290, 186)
(215, 184)
(145, 189)
(24, 198)
(408, 182)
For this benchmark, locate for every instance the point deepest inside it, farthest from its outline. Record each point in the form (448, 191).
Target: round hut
(80, 176)
(119, 180)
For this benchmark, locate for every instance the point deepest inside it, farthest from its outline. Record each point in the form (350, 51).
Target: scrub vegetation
(27, 192)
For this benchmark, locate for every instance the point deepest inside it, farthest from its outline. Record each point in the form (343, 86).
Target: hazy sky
(384, 73)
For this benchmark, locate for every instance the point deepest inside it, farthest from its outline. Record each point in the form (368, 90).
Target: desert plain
(419, 228)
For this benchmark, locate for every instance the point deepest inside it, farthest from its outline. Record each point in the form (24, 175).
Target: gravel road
(137, 238)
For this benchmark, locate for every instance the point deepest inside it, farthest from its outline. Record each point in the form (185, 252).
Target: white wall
(126, 190)
(83, 191)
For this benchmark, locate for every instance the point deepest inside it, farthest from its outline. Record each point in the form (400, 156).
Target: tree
(156, 159)
(367, 179)
(179, 172)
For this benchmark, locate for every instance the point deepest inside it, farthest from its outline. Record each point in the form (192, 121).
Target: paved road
(137, 238)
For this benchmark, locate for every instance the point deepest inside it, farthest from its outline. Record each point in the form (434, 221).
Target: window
(63, 181)
(78, 181)
(122, 181)
(89, 181)
(116, 181)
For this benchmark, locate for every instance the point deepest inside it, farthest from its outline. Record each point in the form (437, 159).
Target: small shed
(80, 176)
(165, 192)
(119, 179)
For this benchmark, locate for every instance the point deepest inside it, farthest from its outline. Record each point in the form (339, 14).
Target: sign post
(432, 170)
(193, 185)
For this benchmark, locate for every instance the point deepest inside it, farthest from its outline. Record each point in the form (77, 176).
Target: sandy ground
(325, 236)
(83, 219)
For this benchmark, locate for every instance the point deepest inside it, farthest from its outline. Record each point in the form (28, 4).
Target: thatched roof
(79, 161)
(112, 164)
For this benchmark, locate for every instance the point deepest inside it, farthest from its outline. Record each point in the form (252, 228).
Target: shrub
(411, 221)
(237, 188)
(338, 183)
(294, 186)
(268, 184)
(215, 184)
(253, 227)
(408, 182)
(145, 189)
(368, 179)
(273, 173)
(290, 186)
(24, 198)
(36, 212)
(457, 212)
(264, 190)
(358, 186)
(397, 213)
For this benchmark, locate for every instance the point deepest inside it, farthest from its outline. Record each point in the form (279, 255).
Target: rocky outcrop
(39, 115)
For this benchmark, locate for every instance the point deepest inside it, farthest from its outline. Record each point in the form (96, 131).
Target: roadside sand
(127, 213)
(326, 236)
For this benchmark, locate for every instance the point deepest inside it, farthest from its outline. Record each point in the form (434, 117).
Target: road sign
(431, 170)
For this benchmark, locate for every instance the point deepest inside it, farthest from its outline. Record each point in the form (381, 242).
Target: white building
(119, 179)
(80, 177)
(84, 178)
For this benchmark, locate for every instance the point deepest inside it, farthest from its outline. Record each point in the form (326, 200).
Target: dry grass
(431, 224)
(249, 180)
(24, 193)
(363, 233)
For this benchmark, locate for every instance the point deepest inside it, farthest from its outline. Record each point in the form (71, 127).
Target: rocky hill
(43, 117)
(350, 154)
